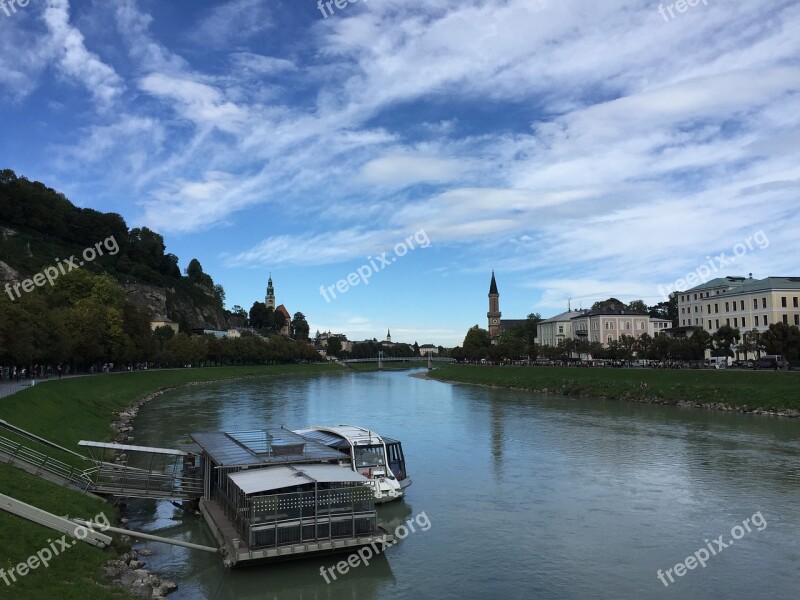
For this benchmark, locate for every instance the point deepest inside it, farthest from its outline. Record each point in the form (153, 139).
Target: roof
(610, 312)
(126, 448)
(493, 286)
(329, 439)
(263, 447)
(254, 481)
(283, 310)
(357, 435)
(565, 316)
(730, 280)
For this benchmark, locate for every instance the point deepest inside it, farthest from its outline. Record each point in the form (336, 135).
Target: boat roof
(127, 448)
(357, 435)
(267, 479)
(263, 447)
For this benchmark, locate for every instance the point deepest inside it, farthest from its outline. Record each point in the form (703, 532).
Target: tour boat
(380, 459)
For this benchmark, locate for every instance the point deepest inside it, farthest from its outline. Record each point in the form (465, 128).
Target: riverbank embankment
(757, 392)
(93, 408)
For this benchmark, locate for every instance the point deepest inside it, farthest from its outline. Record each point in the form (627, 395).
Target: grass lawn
(764, 389)
(65, 412)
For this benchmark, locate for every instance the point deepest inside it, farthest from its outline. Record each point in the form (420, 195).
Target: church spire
(493, 285)
(270, 293)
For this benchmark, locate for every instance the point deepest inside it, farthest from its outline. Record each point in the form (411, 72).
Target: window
(741, 305)
(716, 322)
(708, 306)
(785, 319)
(783, 301)
(728, 322)
(683, 310)
(716, 307)
(763, 303)
(735, 322)
(610, 339)
(756, 318)
(766, 322)
(797, 319)
(727, 307)
(560, 329)
(627, 324)
(743, 323)
(755, 302)
(696, 308)
(795, 301)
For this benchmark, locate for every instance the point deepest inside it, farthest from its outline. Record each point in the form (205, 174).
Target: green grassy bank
(65, 412)
(768, 390)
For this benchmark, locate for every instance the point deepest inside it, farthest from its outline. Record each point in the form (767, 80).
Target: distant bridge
(400, 359)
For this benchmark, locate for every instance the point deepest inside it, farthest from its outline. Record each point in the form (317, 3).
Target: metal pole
(147, 536)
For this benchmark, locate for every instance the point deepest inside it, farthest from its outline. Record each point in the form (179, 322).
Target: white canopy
(267, 479)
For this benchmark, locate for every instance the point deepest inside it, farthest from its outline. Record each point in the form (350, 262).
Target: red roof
(285, 312)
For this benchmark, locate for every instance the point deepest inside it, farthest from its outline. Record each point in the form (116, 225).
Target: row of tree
(516, 344)
(85, 320)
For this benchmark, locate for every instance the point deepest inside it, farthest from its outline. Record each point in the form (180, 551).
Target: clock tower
(494, 310)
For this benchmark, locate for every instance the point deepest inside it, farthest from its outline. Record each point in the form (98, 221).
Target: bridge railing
(418, 359)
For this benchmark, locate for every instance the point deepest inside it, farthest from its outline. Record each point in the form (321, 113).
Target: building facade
(609, 325)
(742, 303)
(551, 332)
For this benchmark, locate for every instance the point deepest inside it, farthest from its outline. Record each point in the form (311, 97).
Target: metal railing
(13, 452)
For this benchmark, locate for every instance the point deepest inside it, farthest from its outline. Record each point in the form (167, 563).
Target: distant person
(59, 371)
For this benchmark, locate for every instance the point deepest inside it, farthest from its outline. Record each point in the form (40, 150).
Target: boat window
(369, 456)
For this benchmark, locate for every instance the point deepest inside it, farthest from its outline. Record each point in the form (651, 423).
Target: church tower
(270, 294)
(494, 310)
(389, 336)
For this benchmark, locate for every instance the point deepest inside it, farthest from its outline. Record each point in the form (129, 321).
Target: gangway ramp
(44, 466)
(144, 472)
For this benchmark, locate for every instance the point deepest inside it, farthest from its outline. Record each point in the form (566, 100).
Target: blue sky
(581, 149)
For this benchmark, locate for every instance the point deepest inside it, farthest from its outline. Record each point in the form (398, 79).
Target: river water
(527, 495)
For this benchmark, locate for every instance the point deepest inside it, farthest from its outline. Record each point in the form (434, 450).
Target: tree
(782, 339)
(611, 303)
(477, 343)
(724, 338)
(334, 347)
(416, 348)
(751, 343)
(638, 306)
(259, 316)
(300, 327)
(666, 310)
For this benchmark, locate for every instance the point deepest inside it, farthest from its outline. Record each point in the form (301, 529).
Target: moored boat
(378, 458)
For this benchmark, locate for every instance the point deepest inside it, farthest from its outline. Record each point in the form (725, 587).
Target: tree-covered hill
(39, 227)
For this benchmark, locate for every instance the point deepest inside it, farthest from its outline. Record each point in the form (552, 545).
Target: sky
(580, 149)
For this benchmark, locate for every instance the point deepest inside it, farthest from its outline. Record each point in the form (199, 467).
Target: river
(527, 495)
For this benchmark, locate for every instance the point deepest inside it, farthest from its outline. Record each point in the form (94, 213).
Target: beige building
(426, 349)
(608, 325)
(163, 322)
(743, 303)
(557, 329)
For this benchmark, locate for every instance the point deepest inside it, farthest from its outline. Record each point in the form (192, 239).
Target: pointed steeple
(270, 293)
(493, 286)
